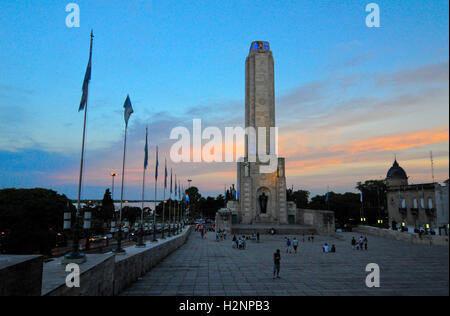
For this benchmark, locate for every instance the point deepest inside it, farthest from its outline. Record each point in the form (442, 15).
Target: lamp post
(113, 175)
(189, 186)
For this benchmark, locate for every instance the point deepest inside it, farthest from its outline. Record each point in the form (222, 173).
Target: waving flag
(171, 182)
(128, 109)
(157, 164)
(187, 196)
(146, 148)
(176, 186)
(165, 174)
(87, 78)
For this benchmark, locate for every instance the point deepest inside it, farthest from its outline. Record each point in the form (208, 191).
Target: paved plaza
(206, 267)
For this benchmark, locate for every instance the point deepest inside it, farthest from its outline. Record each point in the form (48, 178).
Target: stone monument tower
(262, 195)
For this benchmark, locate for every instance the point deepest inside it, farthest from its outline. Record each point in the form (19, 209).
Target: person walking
(276, 264)
(295, 244)
(353, 243)
(288, 245)
(365, 242)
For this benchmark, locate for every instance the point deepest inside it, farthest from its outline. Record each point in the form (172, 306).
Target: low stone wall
(322, 221)
(108, 274)
(280, 230)
(407, 237)
(20, 275)
(137, 263)
(96, 277)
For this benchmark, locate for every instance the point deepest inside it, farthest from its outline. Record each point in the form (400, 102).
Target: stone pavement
(206, 267)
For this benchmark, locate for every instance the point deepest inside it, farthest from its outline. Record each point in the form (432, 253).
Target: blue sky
(338, 82)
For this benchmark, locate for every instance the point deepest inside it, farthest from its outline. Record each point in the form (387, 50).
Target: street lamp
(113, 175)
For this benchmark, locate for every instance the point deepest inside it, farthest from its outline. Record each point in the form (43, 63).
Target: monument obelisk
(262, 196)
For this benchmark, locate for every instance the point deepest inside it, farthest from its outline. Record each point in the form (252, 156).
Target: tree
(32, 218)
(131, 214)
(374, 199)
(346, 206)
(300, 197)
(107, 213)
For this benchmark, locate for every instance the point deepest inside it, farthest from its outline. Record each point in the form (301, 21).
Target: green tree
(107, 213)
(374, 199)
(300, 197)
(32, 218)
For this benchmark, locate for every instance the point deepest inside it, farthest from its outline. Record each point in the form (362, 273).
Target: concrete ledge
(108, 274)
(20, 275)
(138, 261)
(240, 229)
(407, 237)
(96, 277)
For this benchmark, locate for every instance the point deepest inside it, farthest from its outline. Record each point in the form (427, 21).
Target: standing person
(276, 264)
(361, 243)
(312, 237)
(225, 235)
(288, 245)
(235, 240)
(295, 243)
(365, 242)
(353, 243)
(257, 237)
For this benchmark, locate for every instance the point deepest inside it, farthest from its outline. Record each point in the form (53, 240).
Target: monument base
(263, 229)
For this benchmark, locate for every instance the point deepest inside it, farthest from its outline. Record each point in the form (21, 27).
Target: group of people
(221, 235)
(291, 245)
(240, 242)
(326, 248)
(361, 244)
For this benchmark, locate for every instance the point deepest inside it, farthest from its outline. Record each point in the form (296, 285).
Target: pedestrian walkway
(207, 267)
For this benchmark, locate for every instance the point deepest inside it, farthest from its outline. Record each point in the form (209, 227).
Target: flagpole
(170, 204)
(164, 201)
(154, 217)
(75, 256)
(119, 249)
(141, 242)
(154, 212)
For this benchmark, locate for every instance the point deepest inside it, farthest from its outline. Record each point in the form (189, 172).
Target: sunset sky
(348, 97)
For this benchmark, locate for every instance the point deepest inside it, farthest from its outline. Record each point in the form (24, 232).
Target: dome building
(396, 175)
(416, 207)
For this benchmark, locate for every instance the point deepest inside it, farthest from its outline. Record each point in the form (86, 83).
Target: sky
(348, 97)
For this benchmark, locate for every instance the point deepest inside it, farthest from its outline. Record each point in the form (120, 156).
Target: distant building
(416, 206)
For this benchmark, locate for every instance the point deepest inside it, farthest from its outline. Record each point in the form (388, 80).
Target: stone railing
(102, 274)
(408, 237)
(20, 275)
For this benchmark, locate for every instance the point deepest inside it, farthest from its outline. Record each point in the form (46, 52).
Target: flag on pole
(157, 165)
(146, 149)
(87, 78)
(171, 181)
(165, 174)
(128, 109)
(176, 188)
